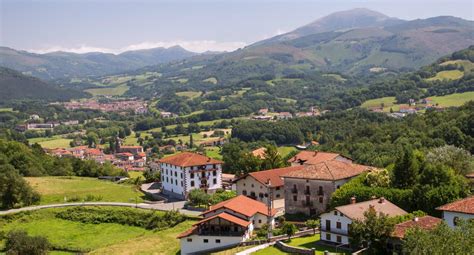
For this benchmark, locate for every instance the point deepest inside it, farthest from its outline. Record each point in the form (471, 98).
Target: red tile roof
(185, 159)
(187, 232)
(328, 170)
(243, 205)
(465, 205)
(274, 175)
(227, 217)
(425, 222)
(260, 152)
(313, 157)
(131, 147)
(356, 211)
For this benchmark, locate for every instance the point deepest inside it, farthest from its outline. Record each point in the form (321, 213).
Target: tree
(14, 190)
(92, 138)
(314, 224)
(371, 232)
(221, 195)
(289, 229)
(198, 197)
(19, 243)
(459, 159)
(272, 158)
(378, 178)
(407, 168)
(191, 141)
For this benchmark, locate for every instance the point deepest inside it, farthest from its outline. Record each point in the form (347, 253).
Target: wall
(294, 250)
(448, 217)
(343, 231)
(198, 244)
(293, 207)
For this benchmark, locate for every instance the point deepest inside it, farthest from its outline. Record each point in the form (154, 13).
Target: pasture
(51, 142)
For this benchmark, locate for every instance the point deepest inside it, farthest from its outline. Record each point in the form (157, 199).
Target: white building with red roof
(461, 209)
(225, 225)
(186, 171)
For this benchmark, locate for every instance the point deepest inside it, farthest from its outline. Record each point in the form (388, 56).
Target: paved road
(160, 206)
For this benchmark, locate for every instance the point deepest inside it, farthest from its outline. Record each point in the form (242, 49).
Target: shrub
(19, 243)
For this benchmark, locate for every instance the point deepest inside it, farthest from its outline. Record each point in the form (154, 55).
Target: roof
(228, 176)
(242, 205)
(187, 232)
(227, 217)
(381, 205)
(260, 152)
(328, 170)
(274, 175)
(313, 157)
(185, 159)
(426, 222)
(465, 205)
(131, 147)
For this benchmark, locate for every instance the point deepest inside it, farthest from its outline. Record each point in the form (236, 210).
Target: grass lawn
(51, 142)
(303, 242)
(214, 152)
(212, 80)
(189, 94)
(135, 174)
(233, 250)
(285, 150)
(447, 75)
(55, 189)
(109, 91)
(456, 99)
(386, 101)
(105, 238)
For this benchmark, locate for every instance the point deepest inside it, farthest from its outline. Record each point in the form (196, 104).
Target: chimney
(381, 200)
(415, 219)
(353, 200)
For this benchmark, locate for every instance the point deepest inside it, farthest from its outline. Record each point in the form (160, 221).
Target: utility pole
(269, 206)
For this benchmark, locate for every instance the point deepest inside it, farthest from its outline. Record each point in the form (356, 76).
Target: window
(277, 195)
(252, 185)
(340, 214)
(206, 240)
(338, 187)
(192, 183)
(214, 166)
(338, 225)
(259, 221)
(455, 221)
(260, 195)
(295, 198)
(277, 188)
(214, 181)
(245, 184)
(189, 240)
(321, 200)
(335, 213)
(244, 192)
(192, 175)
(328, 237)
(214, 173)
(339, 239)
(218, 240)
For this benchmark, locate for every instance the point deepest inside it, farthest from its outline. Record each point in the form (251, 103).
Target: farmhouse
(309, 189)
(336, 223)
(186, 171)
(425, 222)
(315, 157)
(264, 185)
(225, 225)
(461, 209)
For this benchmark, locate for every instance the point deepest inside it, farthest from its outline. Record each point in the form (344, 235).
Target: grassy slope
(189, 94)
(285, 150)
(51, 142)
(447, 75)
(304, 242)
(54, 189)
(109, 91)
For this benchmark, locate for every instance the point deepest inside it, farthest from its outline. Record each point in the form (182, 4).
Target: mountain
(56, 65)
(15, 85)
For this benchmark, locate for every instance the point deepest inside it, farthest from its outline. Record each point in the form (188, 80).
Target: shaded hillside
(56, 65)
(14, 85)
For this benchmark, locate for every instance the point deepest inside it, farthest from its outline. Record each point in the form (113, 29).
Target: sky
(115, 26)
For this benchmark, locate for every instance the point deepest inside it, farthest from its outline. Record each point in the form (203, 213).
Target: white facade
(451, 217)
(335, 227)
(197, 243)
(178, 181)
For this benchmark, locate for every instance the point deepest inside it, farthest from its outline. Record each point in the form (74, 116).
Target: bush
(19, 243)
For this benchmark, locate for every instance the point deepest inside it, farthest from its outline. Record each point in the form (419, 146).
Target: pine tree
(406, 171)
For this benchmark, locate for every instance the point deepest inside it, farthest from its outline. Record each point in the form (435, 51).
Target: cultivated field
(109, 91)
(51, 142)
(76, 189)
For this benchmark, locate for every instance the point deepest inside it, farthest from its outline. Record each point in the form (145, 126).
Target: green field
(189, 94)
(214, 152)
(447, 75)
(109, 91)
(456, 99)
(6, 109)
(212, 80)
(285, 150)
(51, 142)
(103, 238)
(466, 64)
(386, 101)
(303, 242)
(58, 189)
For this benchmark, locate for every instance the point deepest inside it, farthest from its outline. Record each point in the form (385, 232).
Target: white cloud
(195, 46)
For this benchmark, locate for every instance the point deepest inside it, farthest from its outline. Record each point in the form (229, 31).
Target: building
(263, 111)
(263, 185)
(186, 171)
(228, 181)
(217, 141)
(260, 153)
(425, 222)
(308, 190)
(225, 225)
(461, 209)
(336, 223)
(315, 157)
(131, 149)
(284, 116)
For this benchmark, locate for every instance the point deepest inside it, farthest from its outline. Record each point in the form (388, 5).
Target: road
(160, 207)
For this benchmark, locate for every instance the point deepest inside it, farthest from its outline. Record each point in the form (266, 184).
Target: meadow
(51, 142)
(76, 189)
(302, 242)
(108, 91)
(447, 75)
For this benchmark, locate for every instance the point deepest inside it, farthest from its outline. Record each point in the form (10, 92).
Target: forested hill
(14, 85)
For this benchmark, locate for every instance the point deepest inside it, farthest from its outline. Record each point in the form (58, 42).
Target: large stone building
(315, 157)
(461, 209)
(309, 189)
(336, 223)
(225, 225)
(186, 171)
(263, 185)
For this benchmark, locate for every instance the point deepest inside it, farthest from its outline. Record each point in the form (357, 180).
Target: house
(141, 110)
(461, 209)
(263, 111)
(309, 189)
(425, 222)
(263, 185)
(336, 223)
(166, 115)
(186, 171)
(131, 149)
(225, 225)
(218, 141)
(284, 116)
(228, 181)
(314, 157)
(407, 109)
(260, 152)
(70, 122)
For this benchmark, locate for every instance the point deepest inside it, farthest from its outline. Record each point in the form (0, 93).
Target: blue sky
(198, 25)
